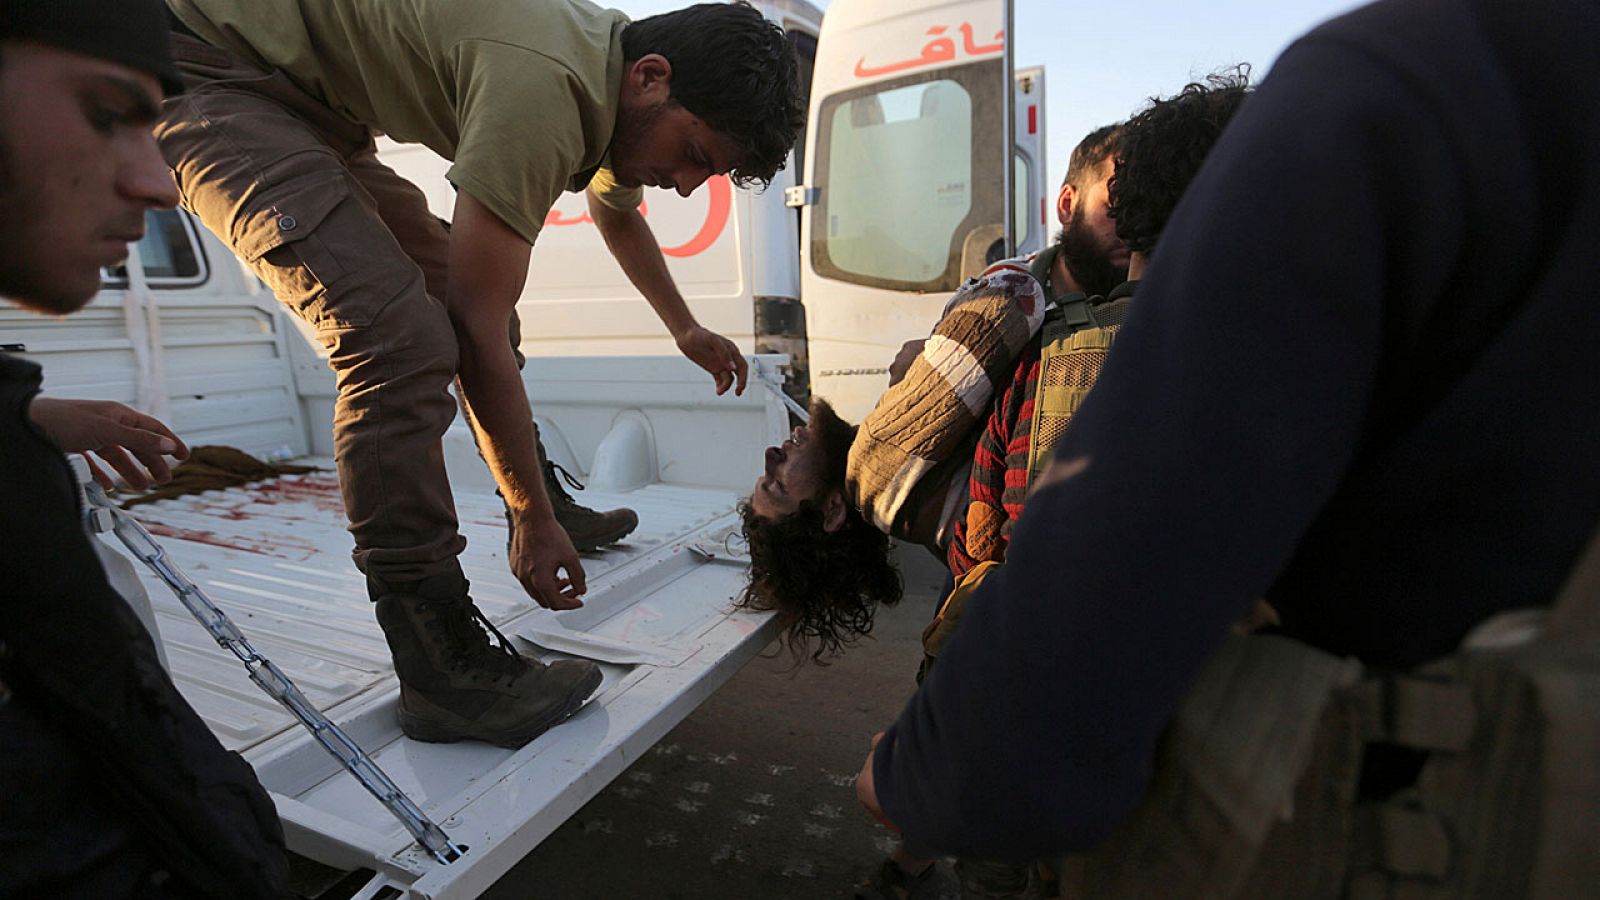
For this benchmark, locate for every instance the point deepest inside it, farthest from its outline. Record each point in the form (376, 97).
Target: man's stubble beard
(1085, 260)
(627, 138)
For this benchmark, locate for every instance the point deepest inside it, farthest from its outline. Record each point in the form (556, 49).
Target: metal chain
(278, 685)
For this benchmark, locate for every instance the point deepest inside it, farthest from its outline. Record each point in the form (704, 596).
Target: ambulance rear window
(910, 176)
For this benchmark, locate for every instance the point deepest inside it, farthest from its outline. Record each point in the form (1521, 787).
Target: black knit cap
(130, 32)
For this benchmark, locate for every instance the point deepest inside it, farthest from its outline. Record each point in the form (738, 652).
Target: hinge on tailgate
(801, 195)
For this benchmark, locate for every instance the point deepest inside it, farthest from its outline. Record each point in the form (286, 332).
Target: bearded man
(1088, 256)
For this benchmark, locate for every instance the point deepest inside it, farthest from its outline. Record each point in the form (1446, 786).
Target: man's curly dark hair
(1161, 149)
(825, 586)
(736, 71)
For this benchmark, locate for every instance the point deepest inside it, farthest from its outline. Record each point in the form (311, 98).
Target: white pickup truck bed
(275, 556)
(200, 344)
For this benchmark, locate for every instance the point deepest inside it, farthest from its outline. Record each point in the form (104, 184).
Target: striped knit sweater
(923, 424)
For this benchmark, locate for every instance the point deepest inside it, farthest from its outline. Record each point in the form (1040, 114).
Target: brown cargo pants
(297, 191)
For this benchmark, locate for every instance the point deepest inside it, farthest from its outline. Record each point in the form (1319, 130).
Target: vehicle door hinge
(801, 195)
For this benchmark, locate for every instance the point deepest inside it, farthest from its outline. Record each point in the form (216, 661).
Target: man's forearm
(488, 268)
(492, 386)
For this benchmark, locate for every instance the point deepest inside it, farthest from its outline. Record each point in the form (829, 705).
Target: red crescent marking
(716, 219)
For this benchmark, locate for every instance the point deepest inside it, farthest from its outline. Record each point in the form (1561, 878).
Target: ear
(1064, 201)
(834, 511)
(649, 77)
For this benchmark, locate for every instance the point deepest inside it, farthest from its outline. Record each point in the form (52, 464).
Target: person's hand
(909, 351)
(112, 432)
(717, 355)
(545, 562)
(867, 793)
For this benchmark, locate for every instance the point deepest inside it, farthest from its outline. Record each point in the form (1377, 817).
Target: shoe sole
(596, 544)
(437, 733)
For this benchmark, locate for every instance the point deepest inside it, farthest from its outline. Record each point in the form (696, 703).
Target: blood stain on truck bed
(281, 546)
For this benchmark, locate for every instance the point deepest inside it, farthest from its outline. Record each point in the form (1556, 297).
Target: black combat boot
(460, 679)
(589, 529)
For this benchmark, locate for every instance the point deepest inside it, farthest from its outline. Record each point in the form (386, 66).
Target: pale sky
(1103, 60)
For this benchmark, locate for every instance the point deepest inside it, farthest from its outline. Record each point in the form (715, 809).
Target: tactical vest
(1075, 339)
(1258, 784)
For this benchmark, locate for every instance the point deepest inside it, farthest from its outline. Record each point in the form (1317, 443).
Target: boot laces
(554, 485)
(474, 642)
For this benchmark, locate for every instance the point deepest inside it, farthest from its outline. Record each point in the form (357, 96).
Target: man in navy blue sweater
(1361, 381)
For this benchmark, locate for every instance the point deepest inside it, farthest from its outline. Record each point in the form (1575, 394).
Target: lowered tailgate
(658, 615)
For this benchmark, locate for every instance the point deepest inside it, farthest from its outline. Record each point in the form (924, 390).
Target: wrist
(674, 314)
(40, 413)
(681, 331)
(533, 515)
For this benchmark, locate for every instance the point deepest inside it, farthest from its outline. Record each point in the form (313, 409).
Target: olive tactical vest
(1076, 336)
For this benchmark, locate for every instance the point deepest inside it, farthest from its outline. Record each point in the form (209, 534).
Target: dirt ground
(751, 796)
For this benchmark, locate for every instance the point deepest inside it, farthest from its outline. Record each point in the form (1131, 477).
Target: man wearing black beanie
(113, 786)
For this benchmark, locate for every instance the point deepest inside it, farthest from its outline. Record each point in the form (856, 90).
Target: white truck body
(186, 334)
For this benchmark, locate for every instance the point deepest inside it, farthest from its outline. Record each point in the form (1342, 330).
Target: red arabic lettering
(984, 50)
(938, 50)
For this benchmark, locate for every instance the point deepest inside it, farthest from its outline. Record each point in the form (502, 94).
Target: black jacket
(85, 672)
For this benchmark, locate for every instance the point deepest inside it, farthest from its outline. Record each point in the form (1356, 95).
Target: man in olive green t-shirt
(272, 147)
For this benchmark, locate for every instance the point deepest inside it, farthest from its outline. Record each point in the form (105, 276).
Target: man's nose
(145, 178)
(689, 180)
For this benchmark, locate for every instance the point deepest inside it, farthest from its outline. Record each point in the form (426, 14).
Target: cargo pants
(297, 191)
